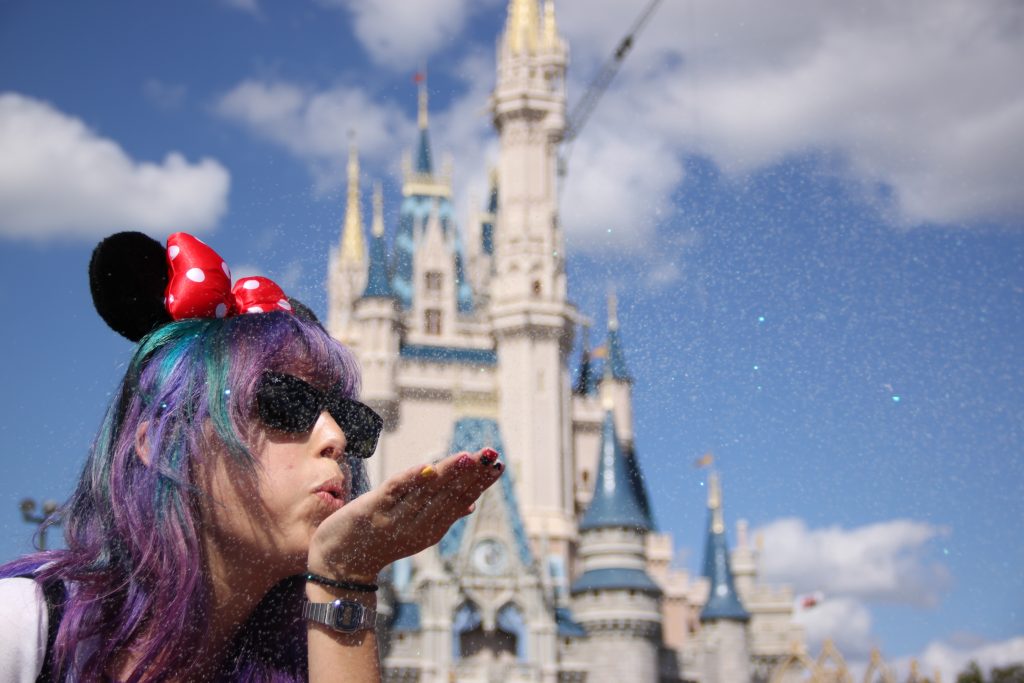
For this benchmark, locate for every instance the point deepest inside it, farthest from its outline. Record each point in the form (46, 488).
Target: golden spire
(715, 503)
(521, 29)
(549, 27)
(353, 249)
(422, 116)
(378, 210)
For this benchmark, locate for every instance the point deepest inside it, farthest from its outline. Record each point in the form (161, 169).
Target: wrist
(317, 593)
(317, 563)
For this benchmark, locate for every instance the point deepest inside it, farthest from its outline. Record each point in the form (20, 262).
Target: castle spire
(353, 246)
(549, 27)
(377, 281)
(422, 114)
(723, 601)
(616, 358)
(424, 157)
(616, 502)
(522, 26)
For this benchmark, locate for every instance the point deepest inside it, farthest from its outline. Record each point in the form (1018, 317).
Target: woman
(221, 514)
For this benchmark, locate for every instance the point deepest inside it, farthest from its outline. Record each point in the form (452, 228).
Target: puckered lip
(335, 486)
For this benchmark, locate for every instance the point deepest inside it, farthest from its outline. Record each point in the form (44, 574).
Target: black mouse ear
(303, 311)
(128, 276)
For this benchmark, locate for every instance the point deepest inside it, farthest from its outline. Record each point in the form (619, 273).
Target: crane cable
(586, 104)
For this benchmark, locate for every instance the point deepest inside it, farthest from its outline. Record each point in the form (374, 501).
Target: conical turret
(346, 275)
(377, 282)
(619, 498)
(723, 600)
(612, 548)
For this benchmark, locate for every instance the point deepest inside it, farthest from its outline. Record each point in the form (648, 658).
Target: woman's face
(266, 521)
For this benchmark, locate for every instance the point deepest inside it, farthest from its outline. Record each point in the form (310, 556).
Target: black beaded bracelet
(344, 585)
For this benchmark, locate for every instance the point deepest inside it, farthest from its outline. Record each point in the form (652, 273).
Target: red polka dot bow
(199, 284)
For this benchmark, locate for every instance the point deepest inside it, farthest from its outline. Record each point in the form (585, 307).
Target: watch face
(348, 616)
(490, 556)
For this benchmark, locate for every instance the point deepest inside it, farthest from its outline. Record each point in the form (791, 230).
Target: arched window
(510, 620)
(432, 321)
(465, 622)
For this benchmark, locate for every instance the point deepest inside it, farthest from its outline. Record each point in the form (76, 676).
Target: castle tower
(379, 324)
(532, 320)
(428, 269)
(347, 266)
(614, 598)
(724, 646)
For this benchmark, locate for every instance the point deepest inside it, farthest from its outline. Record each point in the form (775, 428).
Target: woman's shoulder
(23, 624)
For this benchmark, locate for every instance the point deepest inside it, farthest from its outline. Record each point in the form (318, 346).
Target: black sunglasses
(289, 404)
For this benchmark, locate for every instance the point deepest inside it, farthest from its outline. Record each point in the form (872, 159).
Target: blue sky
(812, 215)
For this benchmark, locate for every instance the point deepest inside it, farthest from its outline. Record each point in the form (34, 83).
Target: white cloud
(313, 124)
(846, 621)
(950, 660)
(402, 34)
(164, 95)
(904, 96)
(883, 562)
(922, 98)
(59, 178)
(618, 189)
(249, 6)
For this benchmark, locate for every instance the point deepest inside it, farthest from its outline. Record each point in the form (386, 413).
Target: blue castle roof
(377, 282)
(448, 355)
(619, 497)
(636, 478)
(470, 435)
(723, 600)
(615, 578)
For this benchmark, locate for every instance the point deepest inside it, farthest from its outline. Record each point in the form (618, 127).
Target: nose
(329, 437)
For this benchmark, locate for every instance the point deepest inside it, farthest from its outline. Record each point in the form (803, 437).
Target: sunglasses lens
(287, 403)
(361, 425)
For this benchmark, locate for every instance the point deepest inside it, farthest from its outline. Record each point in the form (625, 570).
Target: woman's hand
(407, 513)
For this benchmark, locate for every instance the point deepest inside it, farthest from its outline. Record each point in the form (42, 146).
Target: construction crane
(586, 104)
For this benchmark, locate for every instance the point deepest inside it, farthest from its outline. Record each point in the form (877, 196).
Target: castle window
(433, 280)
(432, 321)
(536, 289)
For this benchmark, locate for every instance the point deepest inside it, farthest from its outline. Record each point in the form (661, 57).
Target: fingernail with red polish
(488, 457)
(499, 467)
(464, 460)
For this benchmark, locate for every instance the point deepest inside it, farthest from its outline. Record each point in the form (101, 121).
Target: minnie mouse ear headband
(138, 285)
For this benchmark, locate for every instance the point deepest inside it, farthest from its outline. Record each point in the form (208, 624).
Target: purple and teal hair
(133, 530)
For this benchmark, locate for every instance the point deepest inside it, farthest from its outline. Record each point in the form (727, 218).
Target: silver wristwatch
(341, 615)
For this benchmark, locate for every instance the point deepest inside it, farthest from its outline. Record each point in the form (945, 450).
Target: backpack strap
(55, 595)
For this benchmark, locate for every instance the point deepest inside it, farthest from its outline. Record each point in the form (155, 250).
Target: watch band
(341, 615)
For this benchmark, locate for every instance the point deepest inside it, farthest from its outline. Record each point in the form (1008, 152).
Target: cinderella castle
(466, 336)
